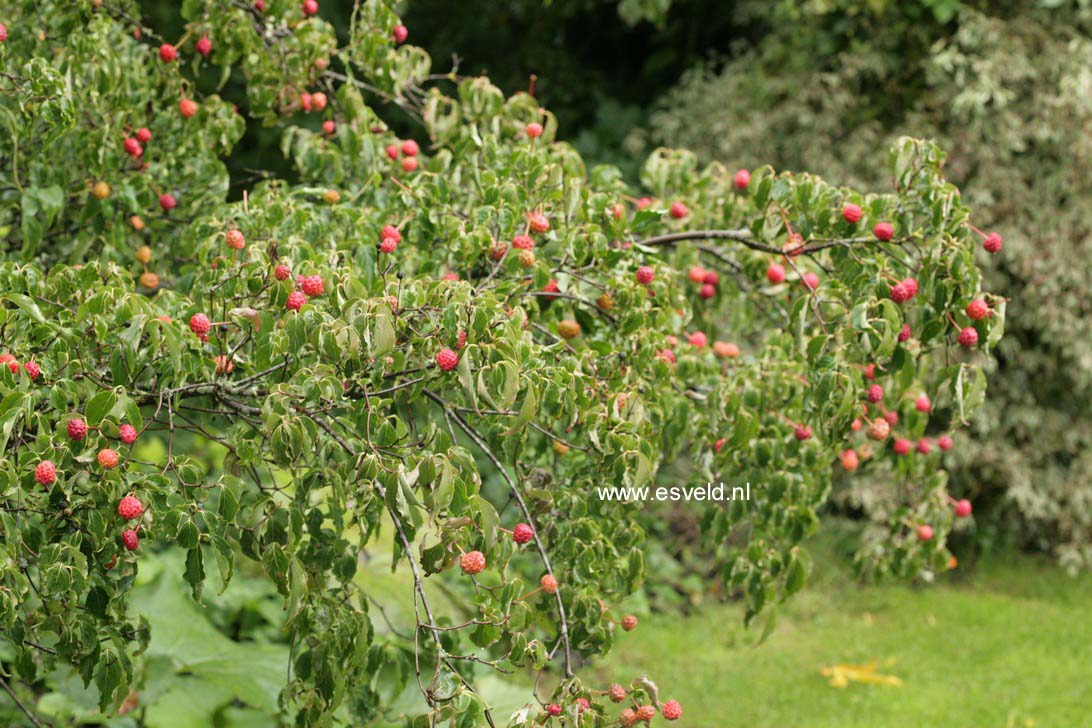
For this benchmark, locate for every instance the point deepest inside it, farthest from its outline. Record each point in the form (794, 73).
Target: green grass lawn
(1008, 645)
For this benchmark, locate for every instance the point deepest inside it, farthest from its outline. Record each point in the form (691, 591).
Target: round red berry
(553, 709)
(313, 286)
(77, 429)
(400, 33)
(548, 583)
(32, 369)
(963, 508)
(708, 290)
(282, 272)
(851, 213)
(616, 693)
(977, 310)
(891, 417)
(811, 281)
(472, 562)
(742, 179)
(143, 135)
(188, 108)
(802, 432)
(108, 458)
(522, 533)
(447, 360)
(200, 324)
(645, 274)
(133, 148)
(679, 210)
(992, 243)
(884, 231)
(850, 460)
(534, 130)
(538, 222)
(410, 148)
(667, 356)
(968, 337)
(204, 46)
(672, 710)
(130, 539)
(167, 202)
(127, 434)
(646, 713)
(944, 442)
(902, 446)
(310, 7)
(923, 404)
(460, 340)
(390, 231)
(388, 245)
(295, 301)
(392, 151)
(900, 293)
(129, 508)
(644, 202)
(905, 333)
(235, 239)
(698, 339)
(45, 473)
(775, 273)
(167, 53)
(924, 447)
(875, 393)
(329, 127)
(925, 533)
(629, 623)
(582, 704)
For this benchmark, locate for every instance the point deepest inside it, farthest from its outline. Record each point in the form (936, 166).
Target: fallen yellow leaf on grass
(840, 676)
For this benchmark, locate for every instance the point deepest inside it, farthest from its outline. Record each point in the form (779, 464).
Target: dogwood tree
(441, 344)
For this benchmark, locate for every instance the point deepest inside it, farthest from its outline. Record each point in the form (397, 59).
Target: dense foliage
(1006, 93)
(444, 345)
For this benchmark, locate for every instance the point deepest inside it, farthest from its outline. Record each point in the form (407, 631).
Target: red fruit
(802, 432)
(646, 713)
(870, 371)
(3, 33)
(719, 444)
(410, 148)
(905, 333)
(977, 310)
(295, 301)
(127, 434)
(447, 360)
(12, 363)
(679, 211)
(992, 243)
(725, 349)
(133, 148)
(582, 704)
(925, 533)
(305, 102)
(310, 7)
(900, 293)
(968, 337)
(259, 5)
(857, 425)
(923, 404)
(538, 222)
(45, 473)
(551, 287)
(911, 286)
(522, 533)
(77, 429)
(534, 131)
(450, 276)
(553, 709)
(235, 239)
(884, 231)
(167, 53)
(313, 286)
(130, 539)
(318, 101)
(645, 274)
(711, 277)
(878, 430)
(850, 460)
(644, 202)
(329, 127)
(204, 46)
(775, 273)
(811, 281)
(794, 244)
(924, 447)
(187, 107)
(129, 508)
(390, 231)
(667, 356)
(742, 179)
(697, 274)
(629, 623)
(902, 446)
(616, 693)
(392, 151)
(32, 369)
(627, 717)
(472, 562)
(200, 324)
(963, 508)
(708, 290)
(400, 33)
(167, 202)
(875, 393)
(282, 272)
(891, 418)
(108, 458)
(671, 710)
(851, 213)
(698, 339)
(409, 164)
(944, 443)
(548, 583)
(143, 135)
(388, 245)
